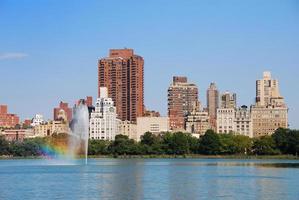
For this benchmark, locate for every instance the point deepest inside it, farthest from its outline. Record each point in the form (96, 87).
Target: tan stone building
(155, 125)
(228, 100)
(197, 123)
(270, 111)
(48, 128)
(129, 129)
(267, 92)
(267, 119)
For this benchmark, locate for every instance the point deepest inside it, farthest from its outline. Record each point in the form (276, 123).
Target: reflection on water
(150, 179)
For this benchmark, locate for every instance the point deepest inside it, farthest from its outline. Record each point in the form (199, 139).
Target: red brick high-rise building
(68, 111)
(7, 120)
(122, 74)
(182, 100)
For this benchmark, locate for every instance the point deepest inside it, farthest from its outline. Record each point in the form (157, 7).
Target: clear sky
(49, 49)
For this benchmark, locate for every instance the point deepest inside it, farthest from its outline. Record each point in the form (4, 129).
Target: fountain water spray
(79, 131)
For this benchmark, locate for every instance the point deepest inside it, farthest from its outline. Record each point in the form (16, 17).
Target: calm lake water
(150, 179)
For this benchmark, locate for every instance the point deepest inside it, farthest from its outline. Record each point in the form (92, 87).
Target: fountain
(78, 142)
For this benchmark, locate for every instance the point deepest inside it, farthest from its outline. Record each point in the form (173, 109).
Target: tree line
(283, 141)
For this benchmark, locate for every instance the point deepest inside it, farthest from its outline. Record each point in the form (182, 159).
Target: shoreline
(188, 156)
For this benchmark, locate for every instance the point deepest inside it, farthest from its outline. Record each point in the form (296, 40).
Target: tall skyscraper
(267, 91)
(270, 111)
(212, 103)
(103, 123)
(122, 73)
(182, 100)
(228, 100)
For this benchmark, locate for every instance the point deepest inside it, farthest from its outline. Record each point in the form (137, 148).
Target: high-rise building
(270, 111)
(228, 100)
(103, 123)
(182, 99)
(267, 91)
(65, 107)
(122, 73)
(212, 104)
(8, 120)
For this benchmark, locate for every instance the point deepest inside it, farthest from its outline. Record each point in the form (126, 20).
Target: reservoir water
(149, 179)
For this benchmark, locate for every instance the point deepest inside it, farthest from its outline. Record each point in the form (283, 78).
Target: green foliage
(287, 141)
(98, 147)
(122, 145)
(210, 143)
(265, 145)
(283, 141)
(4, 146)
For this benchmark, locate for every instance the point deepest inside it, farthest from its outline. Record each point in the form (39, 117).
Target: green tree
(4, 146)
(122, 145)
(210, 143)
(287, 141)
(150, 144)
(98, 147)
(264, 145)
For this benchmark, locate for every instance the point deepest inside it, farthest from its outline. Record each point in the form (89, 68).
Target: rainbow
(51, 151)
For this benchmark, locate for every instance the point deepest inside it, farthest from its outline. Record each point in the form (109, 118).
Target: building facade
(16, 134)
(197, 123)
(155, 125)
(37, 120)
(65, 107)
(243, 122)
(267, 119)
(267, 92)
(182, 100)
(103, 123)
(228, 100)
(225, 120)
(270, 111)
(8, 120)
(122, 73)
(129, 129)
(212, 104)
(51, 127)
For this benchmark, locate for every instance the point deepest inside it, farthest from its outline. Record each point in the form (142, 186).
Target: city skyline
(55, 74)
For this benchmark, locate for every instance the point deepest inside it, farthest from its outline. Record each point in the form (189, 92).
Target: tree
(4, 146)
(264, 145)
(287, 141)
(151, 144)
(98, 147)
(210, 143)
(122, 145)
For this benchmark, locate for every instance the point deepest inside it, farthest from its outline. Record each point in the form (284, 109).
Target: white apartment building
(103, 123)
(243, 122)
(37, 120)
(225, 120)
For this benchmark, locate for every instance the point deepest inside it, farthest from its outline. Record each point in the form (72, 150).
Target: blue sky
(49, 49)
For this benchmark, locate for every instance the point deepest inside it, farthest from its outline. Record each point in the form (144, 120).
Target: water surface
(150, 179)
